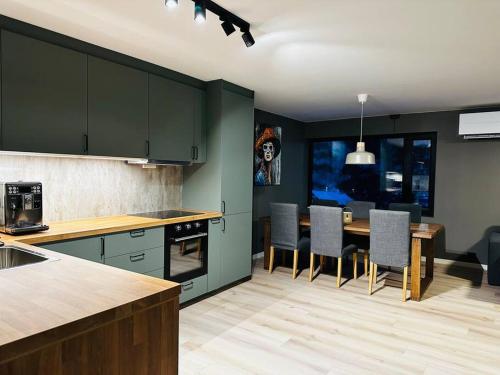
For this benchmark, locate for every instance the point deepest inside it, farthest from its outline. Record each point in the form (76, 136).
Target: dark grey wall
(293, 187)
(467, 195)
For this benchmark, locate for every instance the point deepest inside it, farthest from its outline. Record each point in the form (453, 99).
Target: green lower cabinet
(193, 288)
(235, 249)
(214, 254)
(157, 273)
(135, 240)
(87, 248)
(141, 261)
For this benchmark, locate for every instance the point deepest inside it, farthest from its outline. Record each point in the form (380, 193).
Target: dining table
(423, 236)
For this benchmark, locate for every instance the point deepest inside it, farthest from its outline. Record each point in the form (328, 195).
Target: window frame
(407, 162)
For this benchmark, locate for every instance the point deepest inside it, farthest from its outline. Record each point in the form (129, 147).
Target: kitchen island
(68, 316)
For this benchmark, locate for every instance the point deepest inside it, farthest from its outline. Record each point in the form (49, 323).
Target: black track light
(200, 11)
(248, 38)
(171, 3)
(228, 27)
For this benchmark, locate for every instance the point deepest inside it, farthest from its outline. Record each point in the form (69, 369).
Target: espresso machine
(21, 207)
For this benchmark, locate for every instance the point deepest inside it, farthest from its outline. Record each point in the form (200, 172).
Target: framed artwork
(267, 155)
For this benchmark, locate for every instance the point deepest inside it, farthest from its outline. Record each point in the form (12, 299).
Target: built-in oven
(186, 250)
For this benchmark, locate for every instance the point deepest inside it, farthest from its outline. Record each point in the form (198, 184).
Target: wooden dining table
(422, 244)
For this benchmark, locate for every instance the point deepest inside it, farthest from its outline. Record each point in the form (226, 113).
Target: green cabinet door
(117, 109)
(91, 248)
(200, 126)
(236, 249)
(171, 119)
(44, 96)
(237, 152)
(214, 254)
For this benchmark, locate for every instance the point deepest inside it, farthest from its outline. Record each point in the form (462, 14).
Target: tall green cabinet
(224, 182)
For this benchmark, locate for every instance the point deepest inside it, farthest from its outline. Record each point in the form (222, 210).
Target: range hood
(151, 163)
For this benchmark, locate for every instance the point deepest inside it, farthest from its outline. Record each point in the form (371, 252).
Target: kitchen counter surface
(65, 230)
(46, 302)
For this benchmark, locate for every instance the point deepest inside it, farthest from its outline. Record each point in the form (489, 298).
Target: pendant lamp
(361, 157)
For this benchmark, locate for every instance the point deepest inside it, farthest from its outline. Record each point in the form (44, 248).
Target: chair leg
(355, 264)
(271, 259)
(311, 267)
(295, 263)
(374, 273)
(405, 282)
(365, 261)
(339, 271)
(370, 279)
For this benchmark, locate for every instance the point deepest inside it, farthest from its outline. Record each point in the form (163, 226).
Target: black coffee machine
(21, 207)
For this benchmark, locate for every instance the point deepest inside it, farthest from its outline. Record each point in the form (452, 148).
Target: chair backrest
(390, 238)
(327, 230)
(360, 209)
(328, 203)
(414, 209)
(284, 225)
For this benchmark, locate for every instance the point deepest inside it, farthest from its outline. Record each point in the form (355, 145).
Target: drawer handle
(137, 258)
(137, 233)
(187, 286)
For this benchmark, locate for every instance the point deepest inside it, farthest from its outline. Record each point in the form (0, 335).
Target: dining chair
(414, 209)
(389, 244)
(285, 234)
(327, 239)
(361, 210)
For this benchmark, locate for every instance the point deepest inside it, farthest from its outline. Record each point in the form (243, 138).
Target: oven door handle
(199, 235)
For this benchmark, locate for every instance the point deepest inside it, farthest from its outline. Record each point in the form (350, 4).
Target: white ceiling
(311, 58)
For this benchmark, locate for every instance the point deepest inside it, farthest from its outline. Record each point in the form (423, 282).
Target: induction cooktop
(167, 214)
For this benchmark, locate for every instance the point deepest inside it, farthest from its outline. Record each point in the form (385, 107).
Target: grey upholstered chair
(327, 238)
(389, 243)
(414, 209)
(285, 234)
(360, 209)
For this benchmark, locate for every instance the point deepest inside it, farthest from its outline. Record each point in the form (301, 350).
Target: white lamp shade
(360, 156)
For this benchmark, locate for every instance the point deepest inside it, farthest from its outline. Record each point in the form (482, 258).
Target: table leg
(416, 258)
(267, 243)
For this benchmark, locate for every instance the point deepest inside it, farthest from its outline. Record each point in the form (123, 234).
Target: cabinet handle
(147, 148)
(193, 152)
(223, 225)
(102, 247)
(137, 233)
(137, 258)
(223, 207)
(196, 152)
(187, 286)
(85, 143)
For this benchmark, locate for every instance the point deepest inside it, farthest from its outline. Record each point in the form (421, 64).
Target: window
(404, 171)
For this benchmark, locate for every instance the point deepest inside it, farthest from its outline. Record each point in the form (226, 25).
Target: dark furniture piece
(360, 209)
(390, 243)
(327, 239)
(285, 234)
(494, 259)
(414, 209)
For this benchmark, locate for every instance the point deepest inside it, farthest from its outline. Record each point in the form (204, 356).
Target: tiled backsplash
(79, 188)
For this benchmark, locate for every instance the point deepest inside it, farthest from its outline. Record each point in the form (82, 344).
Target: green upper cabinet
(171, 120)
(44, 96)
(237, 152)
(117, 109)
(200, 126)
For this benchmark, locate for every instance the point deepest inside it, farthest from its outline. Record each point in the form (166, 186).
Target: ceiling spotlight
(200, 11)
(228, 27)
(248, 38)
(171, 3)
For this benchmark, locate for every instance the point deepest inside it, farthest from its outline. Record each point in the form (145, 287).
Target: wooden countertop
(65, 230)
(45, 302)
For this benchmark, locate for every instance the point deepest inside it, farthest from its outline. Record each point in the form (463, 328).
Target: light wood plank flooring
(276, 325)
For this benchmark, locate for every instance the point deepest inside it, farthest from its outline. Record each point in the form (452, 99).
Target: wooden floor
(276, 325)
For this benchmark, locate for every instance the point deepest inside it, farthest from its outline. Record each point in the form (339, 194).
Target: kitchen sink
(12, 256)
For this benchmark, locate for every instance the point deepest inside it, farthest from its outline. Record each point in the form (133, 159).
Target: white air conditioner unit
(481, 125)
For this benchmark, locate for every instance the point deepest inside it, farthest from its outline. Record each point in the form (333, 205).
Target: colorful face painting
(267, 158)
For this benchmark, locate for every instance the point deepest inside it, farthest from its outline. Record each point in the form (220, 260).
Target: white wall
(78, 188)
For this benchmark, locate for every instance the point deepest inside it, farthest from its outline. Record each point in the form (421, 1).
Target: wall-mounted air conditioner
(479, 125)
